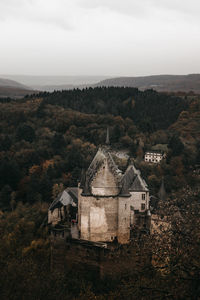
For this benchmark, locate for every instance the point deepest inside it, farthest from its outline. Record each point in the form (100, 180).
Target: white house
(154, 156)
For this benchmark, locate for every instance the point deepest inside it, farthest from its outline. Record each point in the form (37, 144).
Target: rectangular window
(142, 206)
(125, 206)
(143, 196)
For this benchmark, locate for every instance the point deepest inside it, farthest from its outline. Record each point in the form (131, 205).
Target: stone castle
(108, 205)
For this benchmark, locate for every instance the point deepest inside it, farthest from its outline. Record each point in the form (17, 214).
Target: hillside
(47, 140)
(11, 83)
(161, 83)
(148, 109)
(11, 88)
(187, 125)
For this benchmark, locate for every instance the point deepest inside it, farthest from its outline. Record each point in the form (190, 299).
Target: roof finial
(107, 137)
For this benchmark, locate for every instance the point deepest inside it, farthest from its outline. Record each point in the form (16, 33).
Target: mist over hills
(160, 83)
(51, 83)
(21, 85)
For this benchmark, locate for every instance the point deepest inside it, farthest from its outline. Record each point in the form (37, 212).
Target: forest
(46, 140)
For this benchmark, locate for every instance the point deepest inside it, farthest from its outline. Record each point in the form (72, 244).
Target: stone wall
(98, 218)
(123, 235)
(136, 201)
(104, 218)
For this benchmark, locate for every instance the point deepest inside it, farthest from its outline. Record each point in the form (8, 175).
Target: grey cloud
(33, 11)
(123, 37)
(130, 7)
(143, 7)
(188, 7)
(65, 10)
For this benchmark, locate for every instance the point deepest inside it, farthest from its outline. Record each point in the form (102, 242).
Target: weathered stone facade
(104, 218)
(110, 204)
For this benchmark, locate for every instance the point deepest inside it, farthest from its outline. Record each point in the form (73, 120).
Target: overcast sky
(99, 37)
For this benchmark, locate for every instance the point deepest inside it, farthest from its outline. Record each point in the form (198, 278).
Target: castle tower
(110, 204)
(104, 213)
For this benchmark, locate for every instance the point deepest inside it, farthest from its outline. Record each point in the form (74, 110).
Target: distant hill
(51, 83)
(11, 83)
(160, 83)
(11, 88)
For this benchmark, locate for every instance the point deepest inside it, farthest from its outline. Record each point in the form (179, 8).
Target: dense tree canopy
(149, 110)
(45, 142)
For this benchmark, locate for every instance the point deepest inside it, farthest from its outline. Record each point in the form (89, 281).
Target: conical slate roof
(138, 185)
(132, 181)
(103, 155)
(127, 180)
